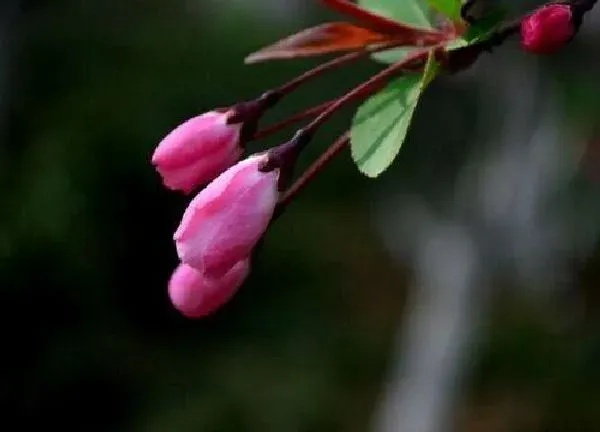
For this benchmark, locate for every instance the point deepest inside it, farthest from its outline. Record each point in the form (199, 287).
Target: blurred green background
(91, 340)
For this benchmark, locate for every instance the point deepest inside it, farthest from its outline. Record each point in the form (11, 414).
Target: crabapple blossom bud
(224, 222)
(195, 295)
(548, 29)
(197, 151)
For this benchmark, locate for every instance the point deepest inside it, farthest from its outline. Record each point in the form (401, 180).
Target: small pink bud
(547, 29)
(226, 219)
(195, 295)
(197, 151)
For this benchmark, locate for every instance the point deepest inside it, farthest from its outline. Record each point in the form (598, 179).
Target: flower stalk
(313, 170)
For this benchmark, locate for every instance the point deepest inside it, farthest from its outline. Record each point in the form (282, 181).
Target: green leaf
(412, 12)
(380, 125)
(449, 8)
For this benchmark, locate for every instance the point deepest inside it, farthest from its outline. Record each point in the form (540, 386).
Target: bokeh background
(457, 292)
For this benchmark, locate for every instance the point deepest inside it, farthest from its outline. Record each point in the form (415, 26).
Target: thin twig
(315, 168)
(334, 63)
(311, 112)
(331, 64)
(318, 109)
(368, 87)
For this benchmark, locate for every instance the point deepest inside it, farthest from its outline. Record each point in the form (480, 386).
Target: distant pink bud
(197, 151)
(195, 295)
(226, 219)
(548, 29)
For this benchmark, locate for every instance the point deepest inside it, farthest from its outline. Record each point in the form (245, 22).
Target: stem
(315, 168)
(334, 63)
(318, 109)
(368, 87)
(310, 112)
(331, 64)
(498, 37)
(250, 111)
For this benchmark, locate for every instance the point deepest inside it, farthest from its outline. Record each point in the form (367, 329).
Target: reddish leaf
(324, 39)
(412, 35)
(340, 36)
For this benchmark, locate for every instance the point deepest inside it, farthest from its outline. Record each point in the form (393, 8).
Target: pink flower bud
(195, 295)
(547, 29)
(226, 219)
(197, 151)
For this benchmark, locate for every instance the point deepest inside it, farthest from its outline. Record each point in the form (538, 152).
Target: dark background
(91, 341)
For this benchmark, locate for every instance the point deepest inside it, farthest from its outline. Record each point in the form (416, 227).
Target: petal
(195, 295)
(224, 221)
(204, 136)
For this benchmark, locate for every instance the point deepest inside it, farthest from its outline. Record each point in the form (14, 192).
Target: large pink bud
(195, 295)
(197, 151)
(226, 219)
(547, 29)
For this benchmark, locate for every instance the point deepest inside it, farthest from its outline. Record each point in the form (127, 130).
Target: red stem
(310, 112)
(338, 61)
(253, 109)
(368, 87)
(293, 84)
(315, 168)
